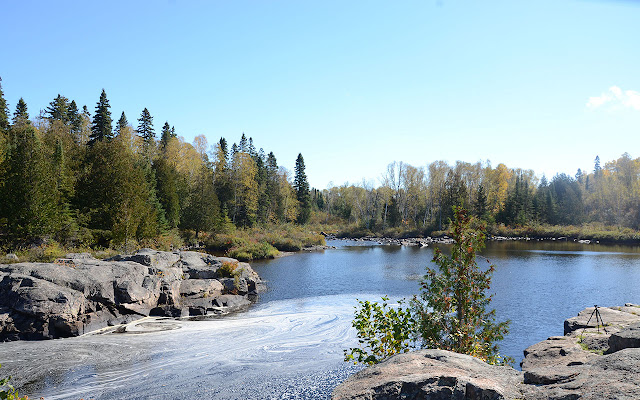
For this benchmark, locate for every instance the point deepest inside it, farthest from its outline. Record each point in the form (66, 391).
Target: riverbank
(597, 358)
(593, 233)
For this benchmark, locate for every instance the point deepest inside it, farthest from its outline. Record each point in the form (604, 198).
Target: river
(290, 344)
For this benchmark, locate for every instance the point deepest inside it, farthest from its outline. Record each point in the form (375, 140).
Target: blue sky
(352, 85)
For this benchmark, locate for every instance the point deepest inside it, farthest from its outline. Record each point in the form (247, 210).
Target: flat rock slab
(612, 318)
(566, 367)
(432, 374)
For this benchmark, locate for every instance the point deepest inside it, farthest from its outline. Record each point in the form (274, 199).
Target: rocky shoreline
(78, 294)
(591, 361)
(424, 242)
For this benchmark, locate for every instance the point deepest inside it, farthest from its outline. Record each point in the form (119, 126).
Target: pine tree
(101, 128)
(122, 123)
(21, 116)
(301, 186)
(145, 127)
(58, 110)
(4, 112)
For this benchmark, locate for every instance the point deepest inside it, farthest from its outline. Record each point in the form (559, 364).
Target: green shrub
(8, 392)
(382, 332)
(450, 313)
(228, 269)
(253, 251)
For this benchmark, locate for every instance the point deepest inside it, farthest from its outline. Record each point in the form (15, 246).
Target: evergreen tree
(243, 144)
(167, 191)
(597, 170)
(58, 110)
(21, 116)
(275, 211)
(202, 211)
(75, 119)
(4, 112)
(455, 194)
(122, 124)
(101, 127)
(452, 309)
(301, 186)
(145, 127)
(166, 136)
(222, 177)
(27, 200)
(480, 205)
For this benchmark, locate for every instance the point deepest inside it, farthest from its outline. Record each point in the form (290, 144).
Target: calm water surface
(289, 345)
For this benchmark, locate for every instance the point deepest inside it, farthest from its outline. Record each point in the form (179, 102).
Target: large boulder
(79, 293)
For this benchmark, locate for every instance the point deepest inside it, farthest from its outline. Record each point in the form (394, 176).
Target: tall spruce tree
(21, 115)
(75, 119)
(101, 127)
(4, 112)
(58, 110)
(145, 127)
(301, 186)
(122, 123)
(165, 136)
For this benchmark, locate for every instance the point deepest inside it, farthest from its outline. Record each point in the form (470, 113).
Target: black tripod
(599, 320)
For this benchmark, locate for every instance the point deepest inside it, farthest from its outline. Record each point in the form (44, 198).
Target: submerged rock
(79, 293)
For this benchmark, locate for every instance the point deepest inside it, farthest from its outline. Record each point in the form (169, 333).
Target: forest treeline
(421, 199)
(83, 180)
(77, 178)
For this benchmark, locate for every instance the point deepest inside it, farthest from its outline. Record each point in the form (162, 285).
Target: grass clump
(228, 269)
(263, 242)
(253, 251)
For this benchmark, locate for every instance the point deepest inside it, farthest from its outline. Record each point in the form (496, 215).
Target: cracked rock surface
(79, 294)
(589, 362)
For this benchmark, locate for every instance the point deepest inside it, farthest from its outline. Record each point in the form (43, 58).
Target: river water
(290, 344)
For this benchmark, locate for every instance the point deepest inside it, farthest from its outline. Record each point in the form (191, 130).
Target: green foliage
(101, 127)
(450, 313)
(4, 112)
(21, 115)
(382, 332)
(253, 251)
(228, 269)
(452, 305)
(301, 186)
(8, 392)
(145, 127)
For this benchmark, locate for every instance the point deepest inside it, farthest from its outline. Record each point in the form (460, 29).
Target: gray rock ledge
(79, 294)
